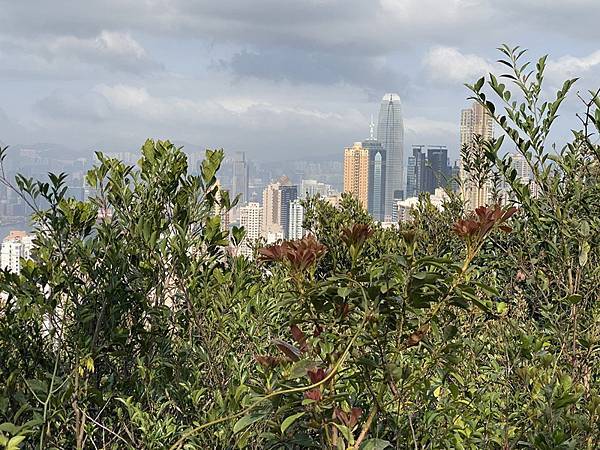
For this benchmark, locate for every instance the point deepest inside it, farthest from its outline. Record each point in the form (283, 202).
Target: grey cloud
(295, 76)
(64, 105)
(370, 73)
(341, 25)
(348, 26)
(261, 126)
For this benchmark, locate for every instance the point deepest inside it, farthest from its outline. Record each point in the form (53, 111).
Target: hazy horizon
(278, 80)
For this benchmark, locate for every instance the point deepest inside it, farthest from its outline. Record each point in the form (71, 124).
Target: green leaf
(9, 428)
(246, 421)
(479, 84)
(13, 444)
(343, 291)
(290, 420)
(346, 433)
(583, 253)
(299, 368)
(375, 444)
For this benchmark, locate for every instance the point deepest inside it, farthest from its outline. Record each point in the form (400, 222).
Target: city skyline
(212, 76)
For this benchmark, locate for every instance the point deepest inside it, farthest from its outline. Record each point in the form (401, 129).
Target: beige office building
(356, 172)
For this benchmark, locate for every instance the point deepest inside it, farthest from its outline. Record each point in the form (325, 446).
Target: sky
(279, 79)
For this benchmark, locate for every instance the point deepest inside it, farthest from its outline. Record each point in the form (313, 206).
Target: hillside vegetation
(138, 329)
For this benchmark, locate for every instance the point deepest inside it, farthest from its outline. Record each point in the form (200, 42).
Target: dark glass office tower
(438, 172)
(288, 194)
(415, 172)
(376, 183)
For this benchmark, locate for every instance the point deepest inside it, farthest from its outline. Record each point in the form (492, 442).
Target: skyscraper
(312, 188)
(17, 245)
(376, 178)
(390, 133)
(437, 170)
(240, 177)
(289, 193)
(272, 209)
(251, 220)
(276, 206)
(474, 121)
(296, 219)
(356, 172)
(415, 172)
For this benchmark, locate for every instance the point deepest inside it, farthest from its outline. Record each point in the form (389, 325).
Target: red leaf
(314, 394)
(287, 349)
(316, 375)
(299, 337)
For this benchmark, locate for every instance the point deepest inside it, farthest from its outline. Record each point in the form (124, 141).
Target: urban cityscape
(308, 224)
(373, 170)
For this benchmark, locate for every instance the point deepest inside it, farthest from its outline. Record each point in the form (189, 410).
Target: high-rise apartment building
(312, 188)
(356, 172)
(16, 246)
(474, 121)
(376, 178)
(272, 209)
(390, 133)
(521, 165)
(219, 210)
(240, 177)
(251, 220)
(277, 197)
(296, 219)
(524, 172)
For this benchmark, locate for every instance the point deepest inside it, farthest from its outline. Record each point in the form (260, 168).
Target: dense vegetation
(133, 327)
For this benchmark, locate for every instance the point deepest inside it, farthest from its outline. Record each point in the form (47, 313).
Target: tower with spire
(377, 174)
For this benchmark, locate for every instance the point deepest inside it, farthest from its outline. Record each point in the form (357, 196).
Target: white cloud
(107, 43)
(70, 56)
(425, 126)
(448, 65)
(571, 66)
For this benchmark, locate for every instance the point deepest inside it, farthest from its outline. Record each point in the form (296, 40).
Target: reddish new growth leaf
(267, 361)
(485, 218)
(417, 336)
(316, 375)
(299, 337)
(314, 394)
(287, 349)
(343, 310)
(357, 234)
(300, 254)
(348, 419)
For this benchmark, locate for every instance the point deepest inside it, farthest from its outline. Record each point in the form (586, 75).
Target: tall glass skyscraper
(390, 132)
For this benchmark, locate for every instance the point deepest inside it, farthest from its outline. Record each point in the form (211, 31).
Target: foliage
(135, 325)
